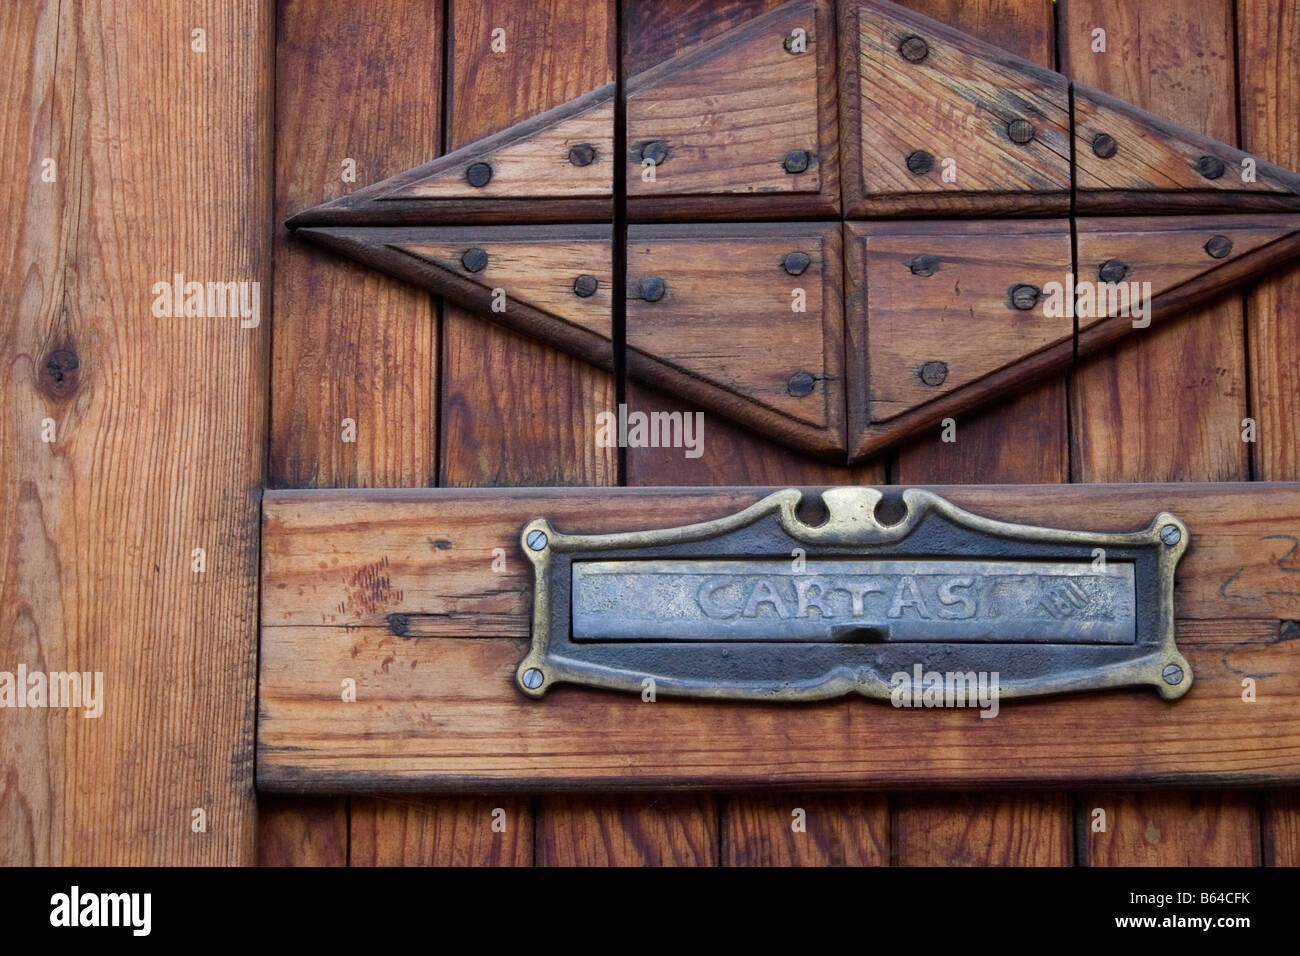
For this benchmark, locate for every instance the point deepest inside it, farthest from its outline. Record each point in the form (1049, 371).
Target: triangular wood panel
(1129, 160)
(554, 167)
(937, 122)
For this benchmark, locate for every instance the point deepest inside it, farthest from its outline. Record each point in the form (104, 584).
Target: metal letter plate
(761, 606)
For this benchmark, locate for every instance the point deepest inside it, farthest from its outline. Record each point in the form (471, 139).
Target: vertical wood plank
(349, 343)
(162, 166)
(446, 831)
(1268, 36)
(1024, 440)
(1168, 404)
(516, 412)
(836, 830)
(755, 829)
(633, 830)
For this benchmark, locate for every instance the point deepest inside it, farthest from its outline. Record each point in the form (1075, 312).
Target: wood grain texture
(455, 831)
(971, 94)
(302, 831)
(349, 343)
(1268, 34)
(158, 427)
(987, 829)
(443, 713)
(1021, 440)
(1168, 404)
(541, 429)
(954, 309)
(729, 112)
(1131, 414)
(1214, 828)
(725, 332)
(753, 828)
(838, 830)
(663, 830)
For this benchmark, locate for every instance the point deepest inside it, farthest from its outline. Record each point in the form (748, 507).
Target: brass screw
(1173, 674)
(1021, 131)
(913, 49)
(532, 678)
(474, 260)
(478, 175)
(934, 373)
(920, 162)
(537, 539)
(1170, 534)
(1219, 247)
(1104, 145)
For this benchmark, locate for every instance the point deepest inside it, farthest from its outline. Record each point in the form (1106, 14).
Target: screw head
(1021, 131)
(537, 539)
(656, 151)
(801, 384)
(652, 288)
(1219, 247)
(920, 162)
(924, 265)
(1112, 270)
(478, 175)
(1173, 674)
(532, 678)
(913, 49)
(795, 263)
(584, 154)
(1104, 145)
(585, 286)
(796, 161)
(474, 260)
(934, 373)
(1024, 296)
(1211, 167)
(1170, 534)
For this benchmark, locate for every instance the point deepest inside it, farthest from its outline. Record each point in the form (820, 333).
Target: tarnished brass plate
(760, 605)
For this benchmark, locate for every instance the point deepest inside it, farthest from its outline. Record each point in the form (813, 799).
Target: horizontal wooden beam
(396, 591)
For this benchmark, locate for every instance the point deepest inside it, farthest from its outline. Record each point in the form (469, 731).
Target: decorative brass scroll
(759, 605)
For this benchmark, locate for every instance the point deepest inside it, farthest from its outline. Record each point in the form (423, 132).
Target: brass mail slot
(760, 605)
(850, 599)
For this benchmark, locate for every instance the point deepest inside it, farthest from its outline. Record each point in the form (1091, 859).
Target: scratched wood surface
(1268, 34)
(350, 343)
(424, 692)
(129, 439)
(1024, 439)
(1168, 404)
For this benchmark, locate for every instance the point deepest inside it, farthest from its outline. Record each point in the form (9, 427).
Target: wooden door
(131, 535)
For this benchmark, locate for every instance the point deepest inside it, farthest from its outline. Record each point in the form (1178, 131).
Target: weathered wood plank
(1024, 440)
(443, 713)
(347, 558)
(302, 831)
(1169, 403)
(627, 830)
(1268, 34)
(834, 830)
(350, 344)
(516, 412)
(129, 438)
(451, 831)
(986, 829)
(1214, 828)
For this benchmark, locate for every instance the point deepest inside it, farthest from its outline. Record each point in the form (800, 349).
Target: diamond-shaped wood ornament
(836, 230)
